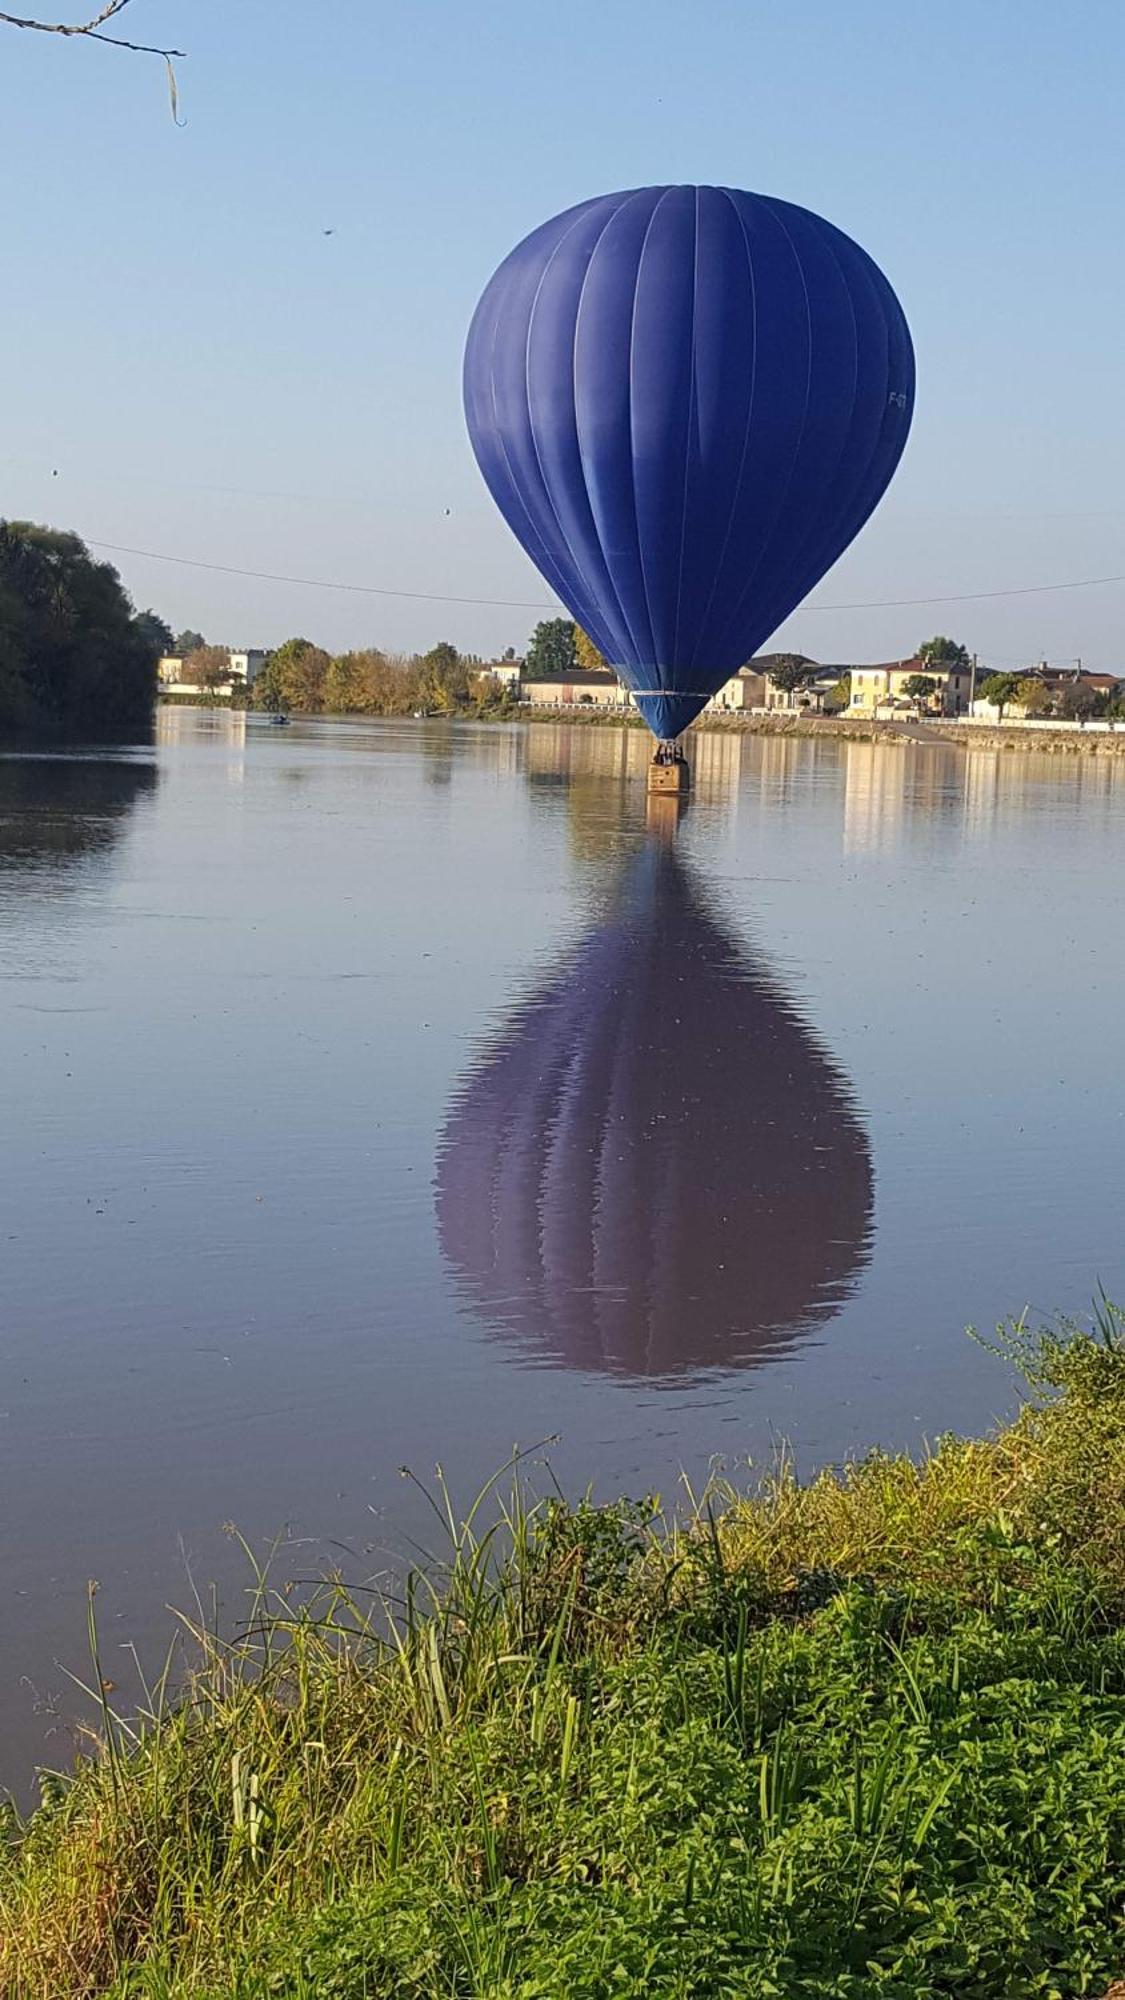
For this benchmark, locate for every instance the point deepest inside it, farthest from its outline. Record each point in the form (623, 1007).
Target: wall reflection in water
(657, 1169)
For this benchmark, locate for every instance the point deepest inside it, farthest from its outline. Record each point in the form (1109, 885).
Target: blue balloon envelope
(686, 401)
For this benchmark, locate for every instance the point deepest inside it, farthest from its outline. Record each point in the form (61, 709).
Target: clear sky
(192, 366)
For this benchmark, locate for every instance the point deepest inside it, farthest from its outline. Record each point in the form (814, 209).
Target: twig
(92, 30)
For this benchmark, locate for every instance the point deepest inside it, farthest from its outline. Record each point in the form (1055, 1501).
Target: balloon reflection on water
(656, 1169)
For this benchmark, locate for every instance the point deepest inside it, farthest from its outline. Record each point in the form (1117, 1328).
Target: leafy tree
(368, 683)
(156, 634)
(919, 687)
(552, 649)
(943, 652)
(71, 650)
(790, 671)
(293, 677)
(443, 681)
(1078, 702)
(586, 654)
(1000, 689)
(186, 642)
(839, 695)
(207, 667)
(1034, 696)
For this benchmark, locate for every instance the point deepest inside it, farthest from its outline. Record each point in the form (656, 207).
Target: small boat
(280, 721)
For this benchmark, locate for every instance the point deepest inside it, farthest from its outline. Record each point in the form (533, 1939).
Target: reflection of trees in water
(657, 1169)
(65, 808)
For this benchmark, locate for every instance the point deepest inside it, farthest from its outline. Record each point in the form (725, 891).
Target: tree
(293, 677)
(71, 651)
(186, 642)
(586, 654)
(207, 667)
(1000, 689)
(155, 633)
(552, 649)
(919, 687)
(1034, 696)
(443, 681)
(790, 671)
(1078, 702)
(368, 683)
(943, 652)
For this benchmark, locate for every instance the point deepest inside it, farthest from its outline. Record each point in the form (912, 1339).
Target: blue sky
(214, 378)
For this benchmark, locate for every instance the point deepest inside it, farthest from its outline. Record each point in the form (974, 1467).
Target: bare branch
(92, 30)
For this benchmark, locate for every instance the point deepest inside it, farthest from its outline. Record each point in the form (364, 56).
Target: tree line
(304, 679)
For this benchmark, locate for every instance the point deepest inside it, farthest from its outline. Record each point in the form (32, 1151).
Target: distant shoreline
(1082, 740)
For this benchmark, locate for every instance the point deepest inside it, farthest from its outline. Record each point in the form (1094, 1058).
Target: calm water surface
(383, 1093)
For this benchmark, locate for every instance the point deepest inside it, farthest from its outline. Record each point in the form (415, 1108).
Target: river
(382, 1094)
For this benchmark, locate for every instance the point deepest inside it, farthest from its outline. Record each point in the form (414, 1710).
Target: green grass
(860, 1737)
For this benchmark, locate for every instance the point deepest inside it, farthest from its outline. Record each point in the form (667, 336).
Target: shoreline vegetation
(862, 1736)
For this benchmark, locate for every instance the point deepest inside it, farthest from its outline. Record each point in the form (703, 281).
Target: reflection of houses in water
(178, 726)
(874, 795)
(657, 1169)
(998, 779)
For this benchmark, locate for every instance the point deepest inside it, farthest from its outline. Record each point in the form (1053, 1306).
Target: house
(752, 687)
(1056, 683)
(880, 690)
(506, 673)
(247, 666)
(746, 689)
(582, 688)
(243, 670)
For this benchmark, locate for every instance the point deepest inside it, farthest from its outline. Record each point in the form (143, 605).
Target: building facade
(881, 690)
(173, 676)
(597, 688)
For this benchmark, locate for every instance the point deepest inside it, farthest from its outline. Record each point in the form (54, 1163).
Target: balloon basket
(669, 774)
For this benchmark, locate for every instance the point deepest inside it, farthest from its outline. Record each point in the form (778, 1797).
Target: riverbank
(1064, 741)
(851, 729)
(860, 1737)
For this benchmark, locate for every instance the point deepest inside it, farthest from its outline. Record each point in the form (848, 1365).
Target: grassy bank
(860, 1737)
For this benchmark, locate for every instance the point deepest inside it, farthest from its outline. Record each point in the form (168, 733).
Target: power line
(320, 583)
(540, 604)
(968, 596)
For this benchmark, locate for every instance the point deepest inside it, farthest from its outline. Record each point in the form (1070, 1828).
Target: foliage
(1077, 701)
(293, 677)
(863, 1738)
(586, 654)
(443, 679)
(919, 687)
(186, 642)
(156, 634)
(552, 648)
(790, 671)
(207, 667)
(73, 654)
(1000, 689)
(367, 683)
(839, 695)
(1033, 695)
(943, 652)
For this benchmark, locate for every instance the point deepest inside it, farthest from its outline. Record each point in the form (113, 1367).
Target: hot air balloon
(657, 1170)
(686, 401)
